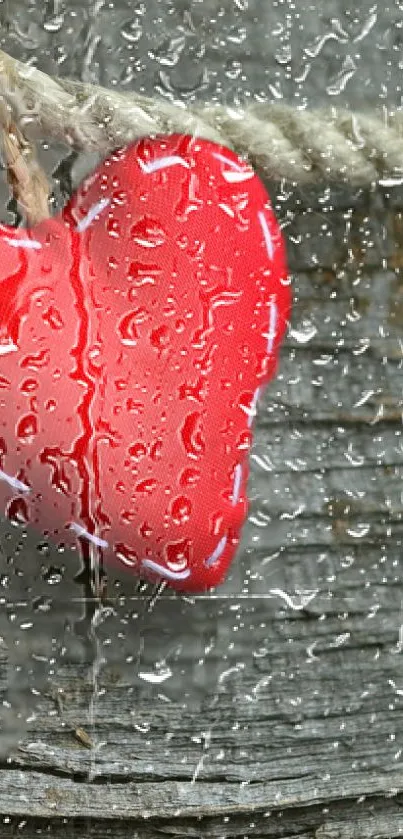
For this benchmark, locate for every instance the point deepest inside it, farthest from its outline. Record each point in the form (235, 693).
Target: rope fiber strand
(282, 141)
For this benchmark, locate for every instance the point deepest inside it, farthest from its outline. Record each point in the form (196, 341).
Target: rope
(285, 143)
(26, 178)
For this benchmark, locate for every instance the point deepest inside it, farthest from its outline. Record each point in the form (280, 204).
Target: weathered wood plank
(300, 823)
(45, 797)
(325, 446)
(293, 688)
(273, 706)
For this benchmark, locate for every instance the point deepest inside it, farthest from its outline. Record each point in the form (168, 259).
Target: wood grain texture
(273, 708)
(282, 716)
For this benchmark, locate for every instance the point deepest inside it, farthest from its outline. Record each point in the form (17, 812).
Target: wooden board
(274, 707)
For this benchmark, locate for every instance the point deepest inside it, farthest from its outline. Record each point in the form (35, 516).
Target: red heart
(137, 330)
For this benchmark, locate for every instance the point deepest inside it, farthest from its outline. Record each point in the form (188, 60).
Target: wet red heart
(137, 330)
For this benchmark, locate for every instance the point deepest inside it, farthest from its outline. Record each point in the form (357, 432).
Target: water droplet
(216, 522)
(205, 364)
(233, 69)
(132, 32)
(179, 326)
(305, 333)
(142, 273)
(42, 604)
(197, 392)
(158, 677)
(113, 263)
(121, 384)
(160, 337)
(244, 441)
(59, 478)
(119, 196)
(146, 487)
(133, 406)
(127, 329)
(36, 361)
(297, 601)
(170, 307)
(191, 435)
(367, 25)
(55, 23)
(182, 241)
(3, 447)
(156, 450)
(137, 450)
(27, 428)
(145, 530)
(113, 227)
(177, 554)
(126, 555)
(359, 531)
(237, 34)
(283, 54)
(53, 576)
(17, 511)
(43, 548)
(189, 477)
(53, 318)
(128, 516)
(148, 232)
(181, 508)
(339, 82)
(185, 85)
(28, 386)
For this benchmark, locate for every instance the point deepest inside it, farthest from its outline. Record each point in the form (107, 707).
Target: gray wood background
(273, 708)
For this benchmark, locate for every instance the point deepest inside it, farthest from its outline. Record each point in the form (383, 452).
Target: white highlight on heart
(272, 325)
(14, 482)
(81, 531)
(6, 348)
(266, 233)
(217, 552)
(226, 209)
(237, 484)
(237, 173)
(252, 410)
(166, 572)
(232, 163)
(162, 163)
(85, 222)
(237, 177)
(23, 243)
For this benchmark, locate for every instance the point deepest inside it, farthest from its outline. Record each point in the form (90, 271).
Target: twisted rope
(284, 142)
(28, 181)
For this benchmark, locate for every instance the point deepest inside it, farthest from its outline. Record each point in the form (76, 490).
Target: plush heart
(137, 330)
